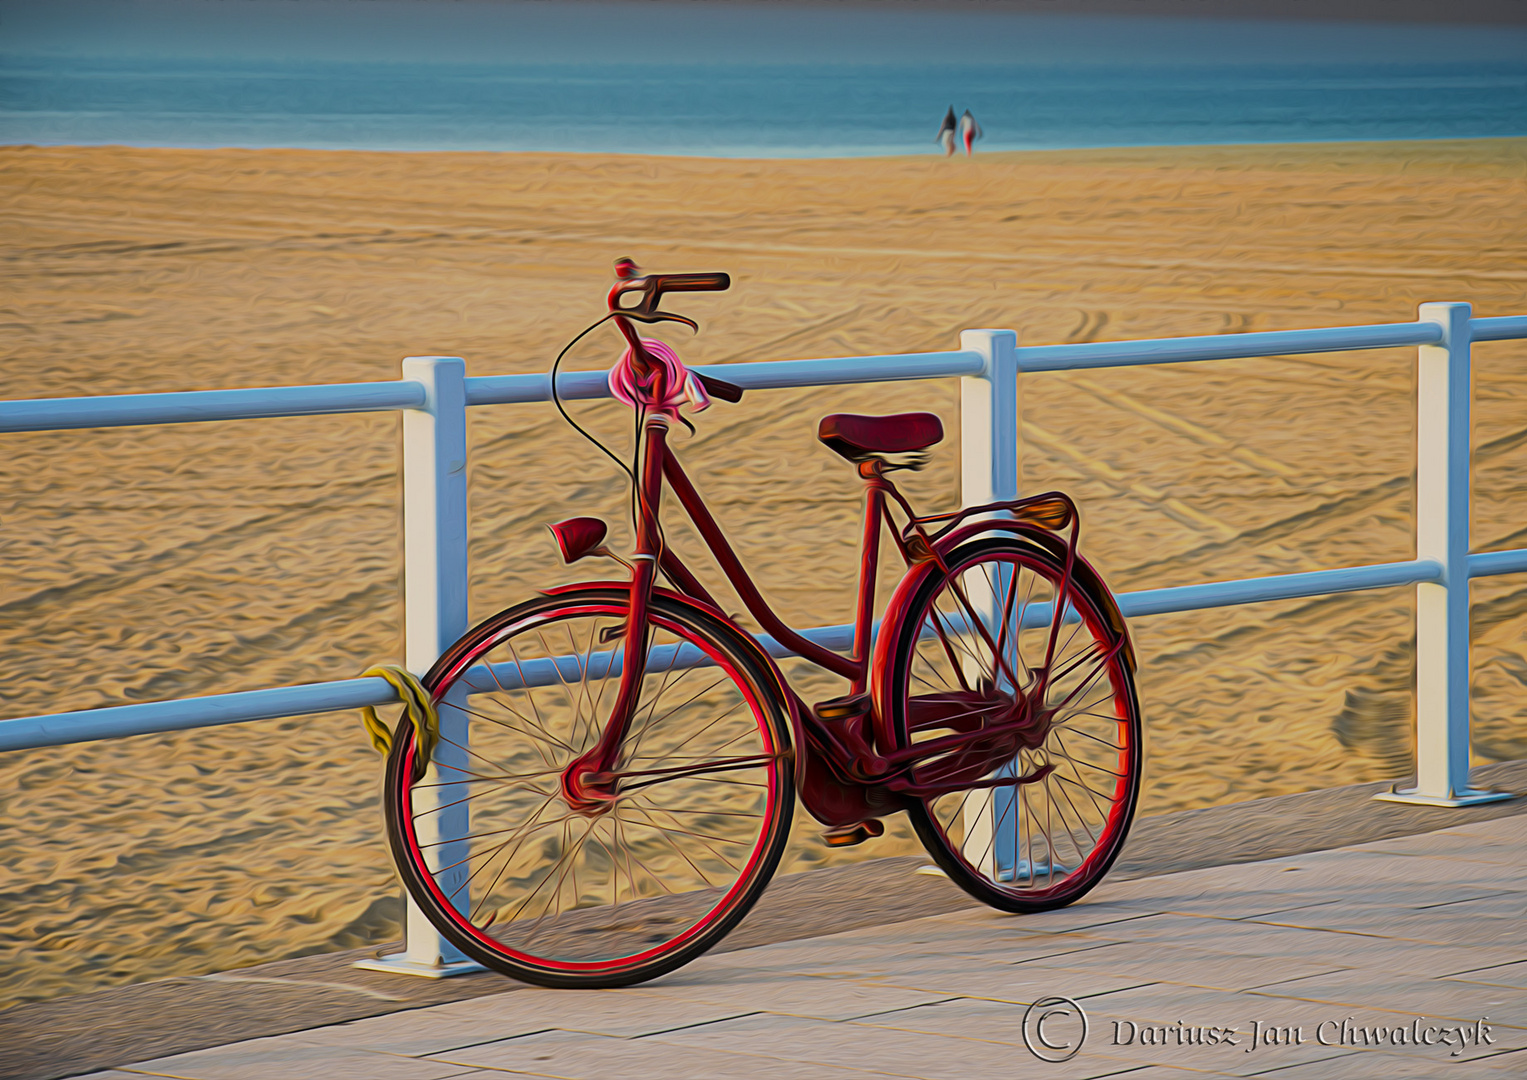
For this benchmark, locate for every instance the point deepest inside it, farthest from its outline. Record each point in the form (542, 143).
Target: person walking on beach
(946, 133)
(970, 131)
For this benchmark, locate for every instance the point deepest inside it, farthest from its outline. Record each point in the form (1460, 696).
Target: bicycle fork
(590, 783)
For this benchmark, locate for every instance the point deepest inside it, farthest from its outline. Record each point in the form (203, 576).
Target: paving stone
(468, 1023)
(1017, 983)
(1498, 975)
(591, 1057)
(1415, 926)
(1267, 939)
(287, 1058)
(1187, 965)
(1369, 1065)
(1167, 1072)
(927, 1056)
(1384, 992)
(816, 998)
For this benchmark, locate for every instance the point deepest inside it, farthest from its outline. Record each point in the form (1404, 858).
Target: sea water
(738, 80)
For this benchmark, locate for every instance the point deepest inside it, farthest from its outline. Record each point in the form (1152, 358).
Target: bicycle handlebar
(647, 290)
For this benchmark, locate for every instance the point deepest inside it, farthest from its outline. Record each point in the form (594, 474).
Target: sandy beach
(149, 563)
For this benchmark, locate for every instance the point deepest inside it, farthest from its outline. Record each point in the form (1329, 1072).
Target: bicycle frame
(841, 774)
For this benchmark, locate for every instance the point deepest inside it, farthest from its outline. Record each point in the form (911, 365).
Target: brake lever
(650, 290)
(660, 316)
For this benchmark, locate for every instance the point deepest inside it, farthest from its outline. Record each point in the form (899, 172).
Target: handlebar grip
(662, 283)
(719, 388)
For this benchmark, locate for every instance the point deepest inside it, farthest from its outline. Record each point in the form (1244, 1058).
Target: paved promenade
(1388, 960)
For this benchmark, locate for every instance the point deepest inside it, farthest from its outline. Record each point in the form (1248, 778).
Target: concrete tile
(1259, 938)
(1493, 840)
(1384, 993)
(1239, 904)
(1166, 1072)
(594, 1057)
(1219, 894)
(1162, 1003)
(1034, 950)
(1506, 903)
(1001, 1022)
(628, 1013)
(1400, 899)
(927, 1056)
(285, 1058)
(1464, 923)
(1370, 1065)
(1078, 917)
(829, 957)
(1186, 965)
(966, 1018)
(813, 998)
(1348, 865)
(1514, 975)
(1016, 983)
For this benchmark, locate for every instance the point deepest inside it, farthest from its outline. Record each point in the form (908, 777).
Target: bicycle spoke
(529, 693)
(658, 696)
(681, 705)
(504, 723)
(475, 795)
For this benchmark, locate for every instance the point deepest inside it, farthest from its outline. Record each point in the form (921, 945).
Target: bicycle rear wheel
(523, 882)
(1037, 825)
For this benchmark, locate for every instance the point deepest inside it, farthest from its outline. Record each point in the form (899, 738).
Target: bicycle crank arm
(932, 789)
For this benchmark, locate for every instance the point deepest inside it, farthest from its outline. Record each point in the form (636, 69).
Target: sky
(686, 31)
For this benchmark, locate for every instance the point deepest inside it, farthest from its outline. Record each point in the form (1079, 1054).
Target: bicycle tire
(641, 889)
(1043, 844)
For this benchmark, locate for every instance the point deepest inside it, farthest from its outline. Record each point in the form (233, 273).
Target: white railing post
(1443, 432)
(989, 419)
(989, 473)
(435, 607)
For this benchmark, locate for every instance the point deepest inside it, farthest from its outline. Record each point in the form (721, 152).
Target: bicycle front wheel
(521, 880)
(1035, 825)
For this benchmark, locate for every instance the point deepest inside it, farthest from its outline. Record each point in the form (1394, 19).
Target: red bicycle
(616, 770)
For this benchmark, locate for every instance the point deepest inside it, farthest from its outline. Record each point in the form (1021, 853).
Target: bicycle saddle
(859, 438)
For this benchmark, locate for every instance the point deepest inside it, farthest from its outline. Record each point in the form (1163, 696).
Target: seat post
(869, 563)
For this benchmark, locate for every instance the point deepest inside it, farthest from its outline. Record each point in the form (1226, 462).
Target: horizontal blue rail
(58, 729)
(1498, 329)
(196, 406)
(1100, 354)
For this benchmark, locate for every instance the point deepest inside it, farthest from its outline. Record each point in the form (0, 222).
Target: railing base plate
(397, 964)
(1463, 798)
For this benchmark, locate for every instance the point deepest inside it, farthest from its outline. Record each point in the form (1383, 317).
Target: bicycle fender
(657, 590)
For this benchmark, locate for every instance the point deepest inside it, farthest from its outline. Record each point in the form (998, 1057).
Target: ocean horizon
(741, 80)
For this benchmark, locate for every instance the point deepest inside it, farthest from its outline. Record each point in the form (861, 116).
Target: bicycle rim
(522, 882)
(1039, 828)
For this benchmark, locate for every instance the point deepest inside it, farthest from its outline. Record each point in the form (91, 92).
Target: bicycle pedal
(843, 708)
(849, 835)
